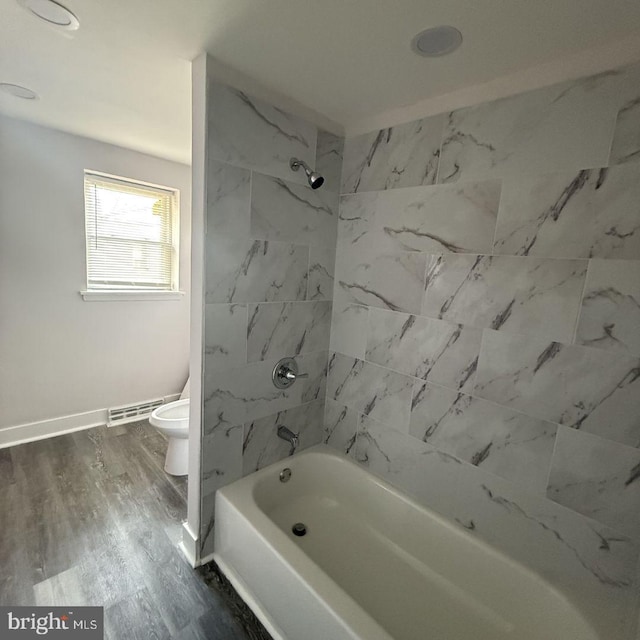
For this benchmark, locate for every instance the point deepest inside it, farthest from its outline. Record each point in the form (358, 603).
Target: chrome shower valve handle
(285, 373)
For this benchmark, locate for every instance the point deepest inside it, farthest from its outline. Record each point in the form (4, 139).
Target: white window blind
(132, 234)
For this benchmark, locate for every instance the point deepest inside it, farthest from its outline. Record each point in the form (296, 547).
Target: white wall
(60, 355)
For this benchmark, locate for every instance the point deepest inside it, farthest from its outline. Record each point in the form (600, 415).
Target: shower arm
(295, 164)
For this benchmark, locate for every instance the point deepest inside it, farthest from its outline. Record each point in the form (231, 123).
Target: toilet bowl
(172, 420)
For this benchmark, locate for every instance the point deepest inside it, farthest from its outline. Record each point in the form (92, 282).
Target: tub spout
(288, 436)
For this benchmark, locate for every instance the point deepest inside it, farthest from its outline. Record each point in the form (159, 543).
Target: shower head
(315, 179)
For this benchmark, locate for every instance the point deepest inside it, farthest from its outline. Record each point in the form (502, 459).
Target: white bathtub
(374, 564)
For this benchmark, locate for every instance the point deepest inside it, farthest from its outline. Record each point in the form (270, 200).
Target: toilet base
(177, 461)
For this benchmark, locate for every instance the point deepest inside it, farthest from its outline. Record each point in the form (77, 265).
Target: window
(132, 235)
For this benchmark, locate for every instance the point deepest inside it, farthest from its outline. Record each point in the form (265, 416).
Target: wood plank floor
(91, 518)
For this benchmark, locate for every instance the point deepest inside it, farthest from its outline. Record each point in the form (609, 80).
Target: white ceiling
(124, 77)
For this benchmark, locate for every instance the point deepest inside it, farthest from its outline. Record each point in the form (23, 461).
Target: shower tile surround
(485, 339)
(269, 266)
(480, 271)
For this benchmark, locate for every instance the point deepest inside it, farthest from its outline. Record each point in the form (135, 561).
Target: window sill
(107, 295)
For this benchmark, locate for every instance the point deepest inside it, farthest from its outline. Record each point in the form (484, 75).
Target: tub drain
(299, 529)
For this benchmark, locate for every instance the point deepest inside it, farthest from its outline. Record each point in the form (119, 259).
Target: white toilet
(172, 420)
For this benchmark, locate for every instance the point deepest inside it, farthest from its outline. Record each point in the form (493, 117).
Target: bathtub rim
(323, 586)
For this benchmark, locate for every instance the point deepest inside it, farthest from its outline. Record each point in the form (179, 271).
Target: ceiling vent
(18, 91)
(52, 13)
(437, 41)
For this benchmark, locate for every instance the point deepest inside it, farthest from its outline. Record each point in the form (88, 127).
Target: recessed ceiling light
(51, 12)
(17, 91)
(437, 41)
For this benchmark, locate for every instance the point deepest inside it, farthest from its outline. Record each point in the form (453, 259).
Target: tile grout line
(495, 226)
(581, 304)
(445, 118)
(551, 461)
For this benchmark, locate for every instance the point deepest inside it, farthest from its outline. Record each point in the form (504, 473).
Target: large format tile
(519, 295)
(340, 427)
(566, 126)
(283, 210)
(329, 152)
(423, 347)
(427, 475)
(458, 218)
(221, 455)
(228, 199)
(580, 387)
(207, 522)
(387, 280)
(591, 213)
(322, 263)
(216, 422)
(225, 335)
(279, 329)
(610, 314)
(591, 564)
(349, 329)
(598, 478)
(626, 137)
(505, 442)
(262, 446)
(245, 270)
(380, 393)
(316, 365)
(402, 156)
(250, 133)
(240, 395)
(355, 220)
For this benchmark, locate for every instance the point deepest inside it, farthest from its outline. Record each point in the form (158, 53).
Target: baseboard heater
(132, 413)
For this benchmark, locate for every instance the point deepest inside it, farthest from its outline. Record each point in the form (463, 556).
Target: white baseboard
(206, 559)
(189, 546)
(32, 431)
(54, 427)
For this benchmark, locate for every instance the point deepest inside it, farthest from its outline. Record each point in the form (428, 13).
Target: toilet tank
(185, 391)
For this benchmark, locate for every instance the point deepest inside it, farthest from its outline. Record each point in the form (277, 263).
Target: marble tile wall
(269, 275)
(485, 334)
